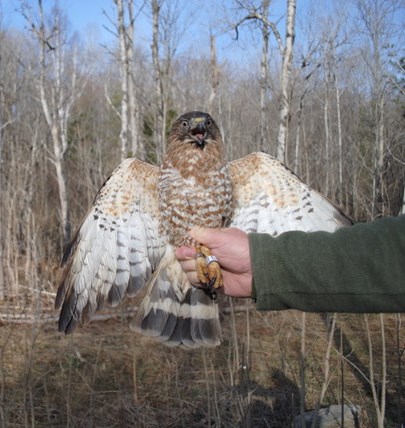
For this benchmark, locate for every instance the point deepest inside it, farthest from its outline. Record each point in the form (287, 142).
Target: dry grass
(106, 376)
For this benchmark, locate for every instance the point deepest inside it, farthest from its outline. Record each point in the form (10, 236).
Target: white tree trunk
(340, 144)
(214, 74)
(264, 71)
(56, 112)
(326, 189)
(132, 93)
(124, 78)
(285, 81)
(159, 114)
(379, 397)
(377, 205)
(57, 95)
(129, 135)
(136, 146)
(57, 161)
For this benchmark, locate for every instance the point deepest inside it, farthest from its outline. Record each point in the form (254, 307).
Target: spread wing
(269, 198)
(116, 248)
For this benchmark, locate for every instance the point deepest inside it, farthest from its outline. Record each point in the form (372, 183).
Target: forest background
(320, 85)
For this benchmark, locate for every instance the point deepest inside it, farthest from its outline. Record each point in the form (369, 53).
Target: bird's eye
(184, 124)
(209, 122)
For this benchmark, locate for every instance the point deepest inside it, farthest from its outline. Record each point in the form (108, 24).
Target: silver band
(210, 259)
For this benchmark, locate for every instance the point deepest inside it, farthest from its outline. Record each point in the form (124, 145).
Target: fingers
(189, 267)
(231, 247)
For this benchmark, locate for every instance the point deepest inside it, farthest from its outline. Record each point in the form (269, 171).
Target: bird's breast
(190, 198)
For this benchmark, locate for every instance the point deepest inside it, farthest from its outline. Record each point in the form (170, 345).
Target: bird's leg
(208, 270)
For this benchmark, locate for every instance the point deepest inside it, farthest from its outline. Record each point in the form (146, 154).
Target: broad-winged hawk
(127, 240)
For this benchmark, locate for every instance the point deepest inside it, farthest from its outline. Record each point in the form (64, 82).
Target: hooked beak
(198, 131)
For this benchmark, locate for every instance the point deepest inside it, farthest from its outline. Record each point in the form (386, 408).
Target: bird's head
(196, 128)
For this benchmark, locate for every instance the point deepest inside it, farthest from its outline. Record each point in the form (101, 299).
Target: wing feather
(116, 248)
(269, 198)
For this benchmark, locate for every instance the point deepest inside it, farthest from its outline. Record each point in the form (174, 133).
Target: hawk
(126, 242)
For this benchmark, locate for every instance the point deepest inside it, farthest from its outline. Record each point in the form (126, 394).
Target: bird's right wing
(117, 247)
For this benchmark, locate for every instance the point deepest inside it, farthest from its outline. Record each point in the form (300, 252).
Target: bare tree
(379, 398)
(286, 51)
(326, 367)
(6, 119)
(375, 19)
(59, 87)
(214, 74)
(285, 101)
(168, 30)
(160, 113)
(129, 135)
(124, 63)
(331, 41)
(264, 76)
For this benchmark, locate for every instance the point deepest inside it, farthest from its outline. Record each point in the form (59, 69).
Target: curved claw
(208, 269)
(212, 282)
(215, 275)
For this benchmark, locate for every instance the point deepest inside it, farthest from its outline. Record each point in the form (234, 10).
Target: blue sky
(87, 17)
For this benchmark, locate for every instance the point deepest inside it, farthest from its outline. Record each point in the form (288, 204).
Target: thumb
(206, 236)
(185, 253)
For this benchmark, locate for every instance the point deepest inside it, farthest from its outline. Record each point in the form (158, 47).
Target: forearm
(357, 270)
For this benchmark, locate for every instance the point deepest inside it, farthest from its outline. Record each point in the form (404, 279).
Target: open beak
(198, 131)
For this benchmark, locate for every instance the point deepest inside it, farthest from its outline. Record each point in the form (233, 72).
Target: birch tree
(160, 107)
(214, 74)
(59, 86)
(264, 77)
(129, 115)
(285, 100)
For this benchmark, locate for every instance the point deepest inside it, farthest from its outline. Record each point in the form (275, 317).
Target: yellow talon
(208, 269)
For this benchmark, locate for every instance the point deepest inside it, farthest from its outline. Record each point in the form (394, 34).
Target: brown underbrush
(104, 375)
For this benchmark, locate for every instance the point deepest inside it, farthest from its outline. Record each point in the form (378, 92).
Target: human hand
(231, 247)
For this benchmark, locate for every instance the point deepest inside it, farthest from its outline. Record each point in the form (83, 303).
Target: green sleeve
(355, 269)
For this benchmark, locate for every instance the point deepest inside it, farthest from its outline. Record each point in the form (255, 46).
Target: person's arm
(356, 269)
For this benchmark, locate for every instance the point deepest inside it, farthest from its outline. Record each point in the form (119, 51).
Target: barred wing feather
(269, 198)
(116, 248)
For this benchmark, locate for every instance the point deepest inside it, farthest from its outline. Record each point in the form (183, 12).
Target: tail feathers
(197, 321)
(190, 320)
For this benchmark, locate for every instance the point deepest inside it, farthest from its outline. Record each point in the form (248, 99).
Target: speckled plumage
(127, 241)
(194, 184)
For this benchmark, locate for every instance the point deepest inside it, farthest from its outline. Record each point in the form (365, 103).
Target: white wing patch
(268, 198)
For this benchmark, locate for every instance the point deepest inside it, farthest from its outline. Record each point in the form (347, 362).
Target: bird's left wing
(116, 248)
(269, 198)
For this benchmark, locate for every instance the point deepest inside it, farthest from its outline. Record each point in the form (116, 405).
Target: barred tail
(178, 314)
